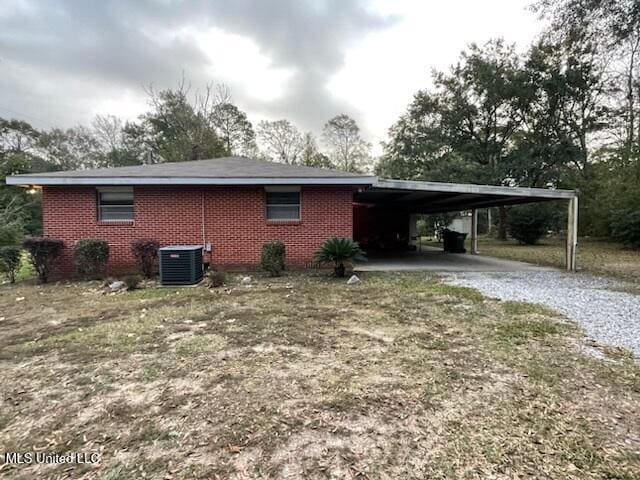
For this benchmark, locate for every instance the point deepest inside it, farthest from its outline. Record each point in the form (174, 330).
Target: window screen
(115, 205)
(283, 205)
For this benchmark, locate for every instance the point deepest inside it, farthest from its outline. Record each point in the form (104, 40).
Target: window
(115, 204)
(283, 204)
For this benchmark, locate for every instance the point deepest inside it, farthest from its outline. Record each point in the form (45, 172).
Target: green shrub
(132, 281)
(43, 252)
(339, 251)
(90, 256)
(215, 279)
(273, 257)
(625, 226)
(146, 253)
(10, 261)
(529, 223)
(10, 234)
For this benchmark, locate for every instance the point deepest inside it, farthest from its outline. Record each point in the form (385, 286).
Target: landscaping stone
(117, 286)
(246, 280)
(354, 280)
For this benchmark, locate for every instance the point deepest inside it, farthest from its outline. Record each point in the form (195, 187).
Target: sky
(64, 61)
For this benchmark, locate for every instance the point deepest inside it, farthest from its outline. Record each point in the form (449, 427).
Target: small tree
(90, 256)
(273, 258)
(43, 252)
(421, 231)
(146, 253)
(625, 227)
(529, 223)
(10, 261)
(339, 251)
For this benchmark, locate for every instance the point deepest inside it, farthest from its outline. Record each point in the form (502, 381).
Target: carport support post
(474, 231)
(572, 234)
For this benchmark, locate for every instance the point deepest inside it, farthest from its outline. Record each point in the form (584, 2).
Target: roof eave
(474, 189)
(70, 181)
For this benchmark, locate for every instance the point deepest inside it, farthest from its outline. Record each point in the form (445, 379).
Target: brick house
(229, 205)
(233, 205)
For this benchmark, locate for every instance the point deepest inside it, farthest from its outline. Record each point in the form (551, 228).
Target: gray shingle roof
(226, 170)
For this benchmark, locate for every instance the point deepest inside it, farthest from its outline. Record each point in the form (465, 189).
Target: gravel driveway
(608, 316)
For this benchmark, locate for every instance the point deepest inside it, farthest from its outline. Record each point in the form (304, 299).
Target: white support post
(572, 234)
(474, 231)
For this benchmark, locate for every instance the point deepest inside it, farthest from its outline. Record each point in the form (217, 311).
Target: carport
(390, 202)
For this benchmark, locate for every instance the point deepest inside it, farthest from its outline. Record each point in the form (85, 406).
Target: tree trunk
(502, 223)
(339, 270)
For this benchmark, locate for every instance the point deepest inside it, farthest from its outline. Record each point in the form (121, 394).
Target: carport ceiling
(436, 197)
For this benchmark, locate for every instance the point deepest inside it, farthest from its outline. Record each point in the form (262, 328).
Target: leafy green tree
(234, 129)
(311, 156)
(463, 129)
(176, 129)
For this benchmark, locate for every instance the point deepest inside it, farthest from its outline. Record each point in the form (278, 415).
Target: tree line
(179, 126)
(565, 114)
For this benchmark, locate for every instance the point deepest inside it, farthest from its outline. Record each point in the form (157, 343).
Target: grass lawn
(305, 377)
(598, 257)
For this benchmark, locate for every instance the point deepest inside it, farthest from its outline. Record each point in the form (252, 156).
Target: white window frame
(99, 205)
(282, 189)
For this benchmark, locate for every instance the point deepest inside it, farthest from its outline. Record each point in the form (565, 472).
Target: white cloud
(386, 68)
(237, 60)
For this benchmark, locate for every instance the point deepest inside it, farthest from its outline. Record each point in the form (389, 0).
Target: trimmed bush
(90, 256)
(529, 223)
(43, 252)
(132, 281)
(338, 251)
(625, 227)
(10, 261)
(146, 252)
(215, 279)
(273, 257)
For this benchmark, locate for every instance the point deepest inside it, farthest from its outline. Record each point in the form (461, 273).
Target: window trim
(282, 189)
(101, 190)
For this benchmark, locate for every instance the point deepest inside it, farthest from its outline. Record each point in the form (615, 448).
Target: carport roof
(438, 197)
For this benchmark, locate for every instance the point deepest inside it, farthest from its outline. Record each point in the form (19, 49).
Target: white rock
(116, 286)
(354, 280)
(19, 299)
(246, 281)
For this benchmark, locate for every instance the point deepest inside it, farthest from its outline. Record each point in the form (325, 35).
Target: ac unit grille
(180, 265)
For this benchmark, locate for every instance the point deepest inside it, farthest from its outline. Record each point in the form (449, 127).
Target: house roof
(415, 196)
(216, 171)
(439, 197)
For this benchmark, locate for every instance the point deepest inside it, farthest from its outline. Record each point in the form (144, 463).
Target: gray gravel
(608, 316)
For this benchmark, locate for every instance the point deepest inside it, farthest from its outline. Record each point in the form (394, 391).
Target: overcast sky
(63, 61)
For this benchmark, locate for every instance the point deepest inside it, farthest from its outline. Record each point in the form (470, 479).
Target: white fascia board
(473, 189)
(44, 180)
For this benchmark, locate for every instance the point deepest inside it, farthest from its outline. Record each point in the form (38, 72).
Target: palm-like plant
(338, 251)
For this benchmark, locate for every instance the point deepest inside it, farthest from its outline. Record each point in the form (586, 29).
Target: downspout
(204, 240)
(204, 237)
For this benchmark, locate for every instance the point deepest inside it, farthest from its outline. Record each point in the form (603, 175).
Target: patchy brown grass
(304, 377)
(598, 257)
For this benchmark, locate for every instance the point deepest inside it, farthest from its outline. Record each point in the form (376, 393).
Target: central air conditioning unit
(181, 265)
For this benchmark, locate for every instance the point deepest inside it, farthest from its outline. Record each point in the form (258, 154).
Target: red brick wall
(234, 222)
